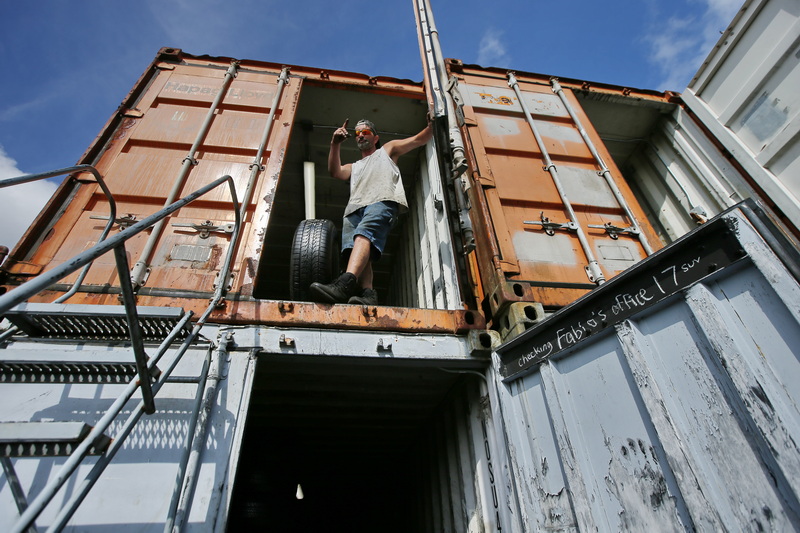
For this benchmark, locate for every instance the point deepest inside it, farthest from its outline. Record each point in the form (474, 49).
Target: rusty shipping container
(190, 120)
(589, 309)
(553, 219)
(538, 167)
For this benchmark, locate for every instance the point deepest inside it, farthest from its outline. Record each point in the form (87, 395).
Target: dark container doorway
(354, 433)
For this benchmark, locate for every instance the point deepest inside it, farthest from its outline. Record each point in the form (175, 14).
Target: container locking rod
(593, 268)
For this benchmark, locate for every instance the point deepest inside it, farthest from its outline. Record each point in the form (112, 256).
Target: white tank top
(375, 178)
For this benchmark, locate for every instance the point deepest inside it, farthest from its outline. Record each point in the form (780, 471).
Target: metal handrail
(43, 281)
(112, 208)
(117, 244)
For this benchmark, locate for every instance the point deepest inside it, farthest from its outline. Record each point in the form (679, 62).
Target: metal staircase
(61, 322)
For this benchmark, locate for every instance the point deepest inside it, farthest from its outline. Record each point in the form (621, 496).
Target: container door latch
(551, 227)
(613, 231)
(206, 228)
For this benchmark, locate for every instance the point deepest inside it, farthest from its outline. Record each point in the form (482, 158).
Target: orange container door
(144, 158)
(537, 241)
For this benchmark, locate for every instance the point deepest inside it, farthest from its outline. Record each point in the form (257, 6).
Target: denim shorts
(374, 222)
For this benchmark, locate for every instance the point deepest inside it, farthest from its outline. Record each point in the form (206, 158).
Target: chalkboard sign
(672, 269)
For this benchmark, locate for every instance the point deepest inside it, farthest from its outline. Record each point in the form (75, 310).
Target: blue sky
(66, 65)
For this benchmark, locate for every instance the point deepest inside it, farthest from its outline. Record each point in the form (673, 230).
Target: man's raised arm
(399, 147)
(335, 167)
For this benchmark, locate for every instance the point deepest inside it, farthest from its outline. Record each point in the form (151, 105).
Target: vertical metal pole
(443, 107)
(140, 268)
(199, 440)
(187, 444)
(256, 166)
(593, 268)
(434, 66)
(309, 192)
(129, 302)
(604, 171)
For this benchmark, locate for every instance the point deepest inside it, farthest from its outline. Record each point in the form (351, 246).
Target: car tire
(315, 256)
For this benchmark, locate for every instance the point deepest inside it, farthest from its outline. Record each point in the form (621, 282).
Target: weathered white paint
(684, 416)
(746, 94)
(136, 488)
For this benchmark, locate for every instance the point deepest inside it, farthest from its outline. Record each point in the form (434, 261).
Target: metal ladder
(128, 322)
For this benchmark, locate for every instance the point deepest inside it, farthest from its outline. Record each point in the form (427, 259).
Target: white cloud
(491, 51)
(21, 109)
(680, 44)
(20, 203)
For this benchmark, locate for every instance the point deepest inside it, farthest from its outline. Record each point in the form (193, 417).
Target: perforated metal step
(21, 366)
(46, 439)
(93, 322)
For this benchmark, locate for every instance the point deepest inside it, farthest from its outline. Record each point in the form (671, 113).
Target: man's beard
(363, 144)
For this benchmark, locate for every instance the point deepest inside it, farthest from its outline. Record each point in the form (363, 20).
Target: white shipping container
(746, 93)
(667, 399)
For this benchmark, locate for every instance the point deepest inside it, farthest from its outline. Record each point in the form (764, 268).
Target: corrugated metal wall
(683, 176)
(461, 474)
(746, 93)
(424, 273)
(684, 416)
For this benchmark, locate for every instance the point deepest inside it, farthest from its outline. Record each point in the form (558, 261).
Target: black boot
(337, 292)
(365, 297)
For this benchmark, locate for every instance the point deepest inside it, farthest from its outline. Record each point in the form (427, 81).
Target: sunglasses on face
(365, 131)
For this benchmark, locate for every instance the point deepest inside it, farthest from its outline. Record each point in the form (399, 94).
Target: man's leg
(366, 277)
(355, 285)
(359, 264)
(359, 271)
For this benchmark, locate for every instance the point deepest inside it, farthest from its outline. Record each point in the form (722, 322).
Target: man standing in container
(376, 199)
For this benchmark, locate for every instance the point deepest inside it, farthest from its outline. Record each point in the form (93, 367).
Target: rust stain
(214, 260)
(122, 131)
(252, 267)
(497, 100)
(304, 314)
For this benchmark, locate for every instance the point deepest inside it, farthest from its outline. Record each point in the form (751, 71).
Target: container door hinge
(613, 231)
(206, 228)
(551, 227)
(485, 182)
(458, 167)
(699, 214)
(594, 273)
(229, 281)
(286, 342)
(132, 113)
(458, 101)
(384, 346)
